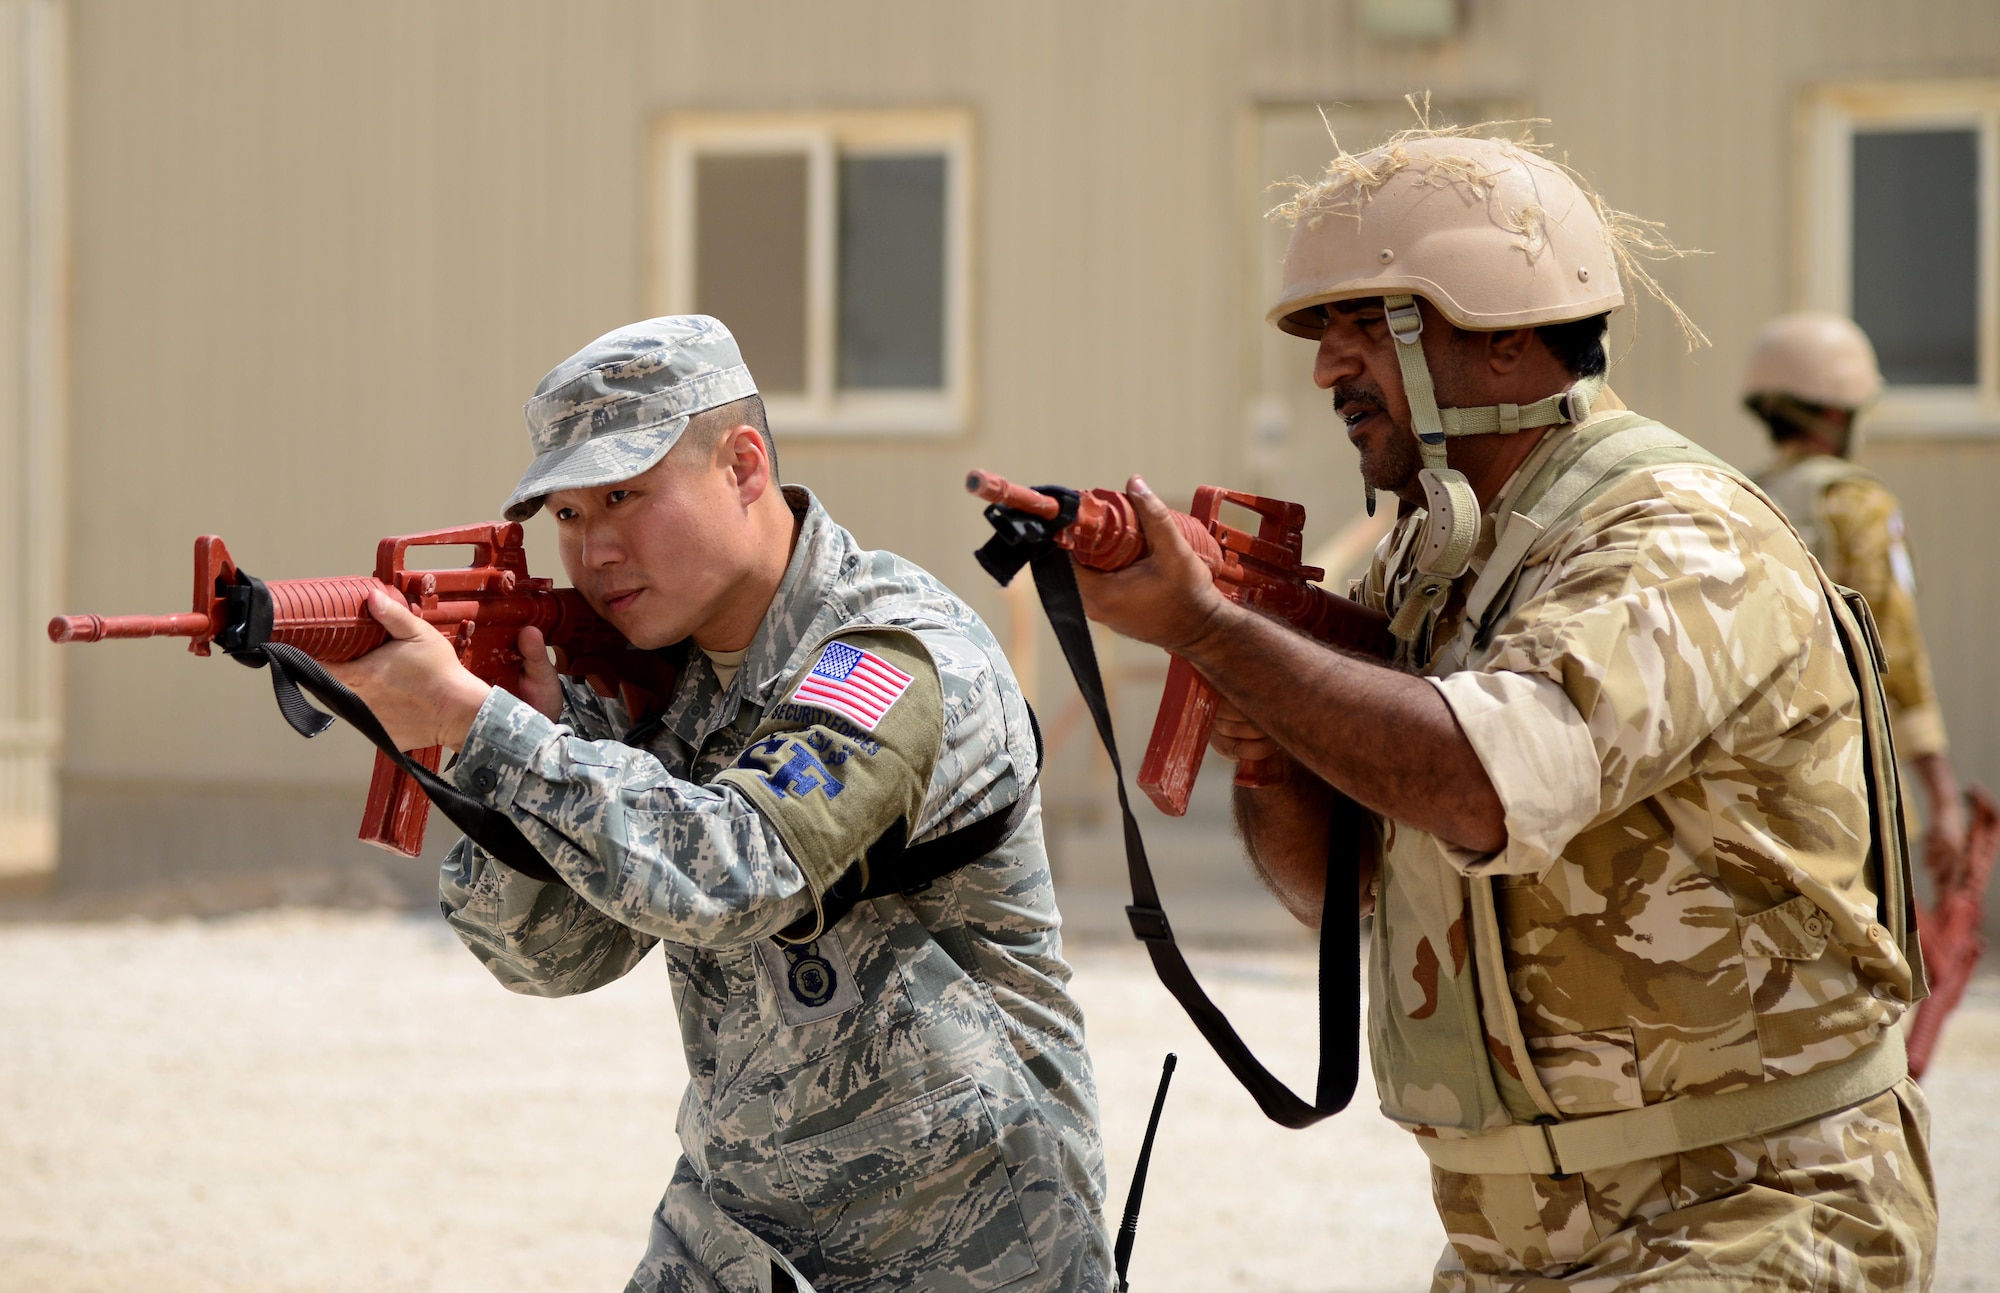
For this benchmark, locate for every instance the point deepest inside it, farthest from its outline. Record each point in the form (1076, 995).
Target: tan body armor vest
(1440, 1067)
(1799, 491)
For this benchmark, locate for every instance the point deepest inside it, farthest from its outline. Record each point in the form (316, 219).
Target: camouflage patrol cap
(614, 408)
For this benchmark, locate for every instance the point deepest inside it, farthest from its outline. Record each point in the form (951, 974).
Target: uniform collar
(817, 556)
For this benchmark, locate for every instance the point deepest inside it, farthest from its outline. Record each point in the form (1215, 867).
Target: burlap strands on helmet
(1351, 180)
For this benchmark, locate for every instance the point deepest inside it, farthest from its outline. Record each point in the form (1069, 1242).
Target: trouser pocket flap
(916, 1187)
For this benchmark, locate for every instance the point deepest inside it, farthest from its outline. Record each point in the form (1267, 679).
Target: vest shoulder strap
(1599, 455)
(1817, 473)
(1799, 491)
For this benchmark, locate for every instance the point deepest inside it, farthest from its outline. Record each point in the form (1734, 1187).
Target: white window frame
(824, 137)
(1830, 118)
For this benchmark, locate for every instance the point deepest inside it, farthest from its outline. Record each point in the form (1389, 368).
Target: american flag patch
(853, 683)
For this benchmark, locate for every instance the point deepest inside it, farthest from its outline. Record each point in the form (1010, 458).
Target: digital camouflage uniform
(1682, 908)
(1854, 526)
(897, 1098)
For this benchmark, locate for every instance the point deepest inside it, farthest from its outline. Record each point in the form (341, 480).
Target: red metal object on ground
(481, 608)
(1264, 570)
(1949, 927)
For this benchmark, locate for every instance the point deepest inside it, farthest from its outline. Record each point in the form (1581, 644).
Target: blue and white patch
(812, 981)
(1901, 568)
(802, 772)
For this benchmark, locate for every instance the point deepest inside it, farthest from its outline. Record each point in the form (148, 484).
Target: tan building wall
(32, 386)
(324, 249)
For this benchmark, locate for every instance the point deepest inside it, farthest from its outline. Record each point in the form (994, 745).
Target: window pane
(750, 259)
(892, 271)
(1916, 253)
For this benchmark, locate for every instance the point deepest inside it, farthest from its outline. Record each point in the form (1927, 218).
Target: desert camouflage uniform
(1683, 906)
(1840, 1203)
(1853, 524)
(901, 1102)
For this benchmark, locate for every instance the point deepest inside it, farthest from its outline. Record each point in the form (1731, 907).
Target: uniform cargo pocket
(1590, 1072)
(918, 1187)
(1792, 931)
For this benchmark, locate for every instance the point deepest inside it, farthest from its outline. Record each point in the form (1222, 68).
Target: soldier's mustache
(1348, 400)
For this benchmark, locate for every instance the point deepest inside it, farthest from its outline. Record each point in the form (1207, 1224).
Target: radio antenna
(1128, 1229)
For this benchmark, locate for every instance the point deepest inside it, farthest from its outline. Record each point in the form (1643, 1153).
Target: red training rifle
(480, 608)
(1265, 570)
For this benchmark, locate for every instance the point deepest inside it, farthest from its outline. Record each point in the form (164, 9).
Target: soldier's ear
(1506, 349)
(741, 452)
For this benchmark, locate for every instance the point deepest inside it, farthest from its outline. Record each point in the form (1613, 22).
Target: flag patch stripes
(858, 685)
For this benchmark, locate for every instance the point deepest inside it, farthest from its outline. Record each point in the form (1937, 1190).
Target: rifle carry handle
(397, 810)
(1271, 558)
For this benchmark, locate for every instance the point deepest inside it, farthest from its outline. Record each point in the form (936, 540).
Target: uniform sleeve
(645, 855)
(537, 938)
(845, 752)
(1674, 604)
(1873, 559)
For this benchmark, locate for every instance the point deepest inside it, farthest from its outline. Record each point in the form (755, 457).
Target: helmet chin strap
(1451, 522)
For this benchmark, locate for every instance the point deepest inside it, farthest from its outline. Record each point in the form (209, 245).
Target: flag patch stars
(858, 685)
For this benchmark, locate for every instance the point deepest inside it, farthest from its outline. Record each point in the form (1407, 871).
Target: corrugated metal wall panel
(325, 249)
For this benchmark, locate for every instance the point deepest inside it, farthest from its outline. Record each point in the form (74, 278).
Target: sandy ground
(335, 1101)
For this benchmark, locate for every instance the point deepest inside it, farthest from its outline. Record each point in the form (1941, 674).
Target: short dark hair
(708, 426)
(1578, 345)
(1788, 417)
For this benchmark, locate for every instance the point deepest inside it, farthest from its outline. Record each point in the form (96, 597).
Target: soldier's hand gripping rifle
(480, 608)
(1265, 570)
(1099, 528)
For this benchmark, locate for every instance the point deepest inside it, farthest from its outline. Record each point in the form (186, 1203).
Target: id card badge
(812, 980)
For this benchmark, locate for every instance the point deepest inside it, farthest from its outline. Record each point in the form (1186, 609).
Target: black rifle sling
(893, 865)
(292, 670)
(1339, 969)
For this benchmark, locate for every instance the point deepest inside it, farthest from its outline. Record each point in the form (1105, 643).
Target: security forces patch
(829, 788)
(801, 771)
(812, 981)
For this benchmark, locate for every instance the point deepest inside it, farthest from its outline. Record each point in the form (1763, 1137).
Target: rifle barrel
(96, 628)
(998, 489)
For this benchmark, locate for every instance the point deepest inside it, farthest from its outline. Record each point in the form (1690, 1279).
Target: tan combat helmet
(1491, 233)
(1803, 365)
(1494, 236)
(1815, 356)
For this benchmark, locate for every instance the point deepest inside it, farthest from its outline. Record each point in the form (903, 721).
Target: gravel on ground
(312, 1101)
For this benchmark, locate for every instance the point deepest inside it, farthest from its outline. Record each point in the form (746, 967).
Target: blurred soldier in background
(1640, 946)
(833, 831)
(1810, 377)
